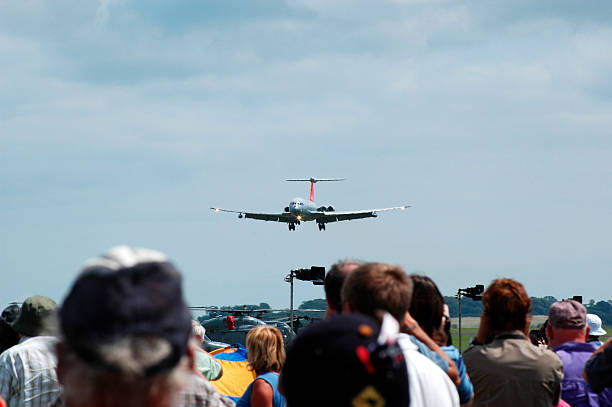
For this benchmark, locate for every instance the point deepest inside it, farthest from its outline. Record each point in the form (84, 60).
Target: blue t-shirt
(278, 400)
(433, 356)
(466, 388)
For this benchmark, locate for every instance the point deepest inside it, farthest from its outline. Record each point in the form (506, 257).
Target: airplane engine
(240, 216)
(330, 208)
(286, 209)
(322, 209)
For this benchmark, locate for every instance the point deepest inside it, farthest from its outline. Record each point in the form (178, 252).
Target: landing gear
(321, 226)
(292, 226)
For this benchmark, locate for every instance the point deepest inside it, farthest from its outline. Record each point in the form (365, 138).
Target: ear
(527, 325)
(587, 331)
(549, 333)
(191, 357)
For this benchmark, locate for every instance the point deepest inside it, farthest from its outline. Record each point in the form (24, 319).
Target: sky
(122, 122)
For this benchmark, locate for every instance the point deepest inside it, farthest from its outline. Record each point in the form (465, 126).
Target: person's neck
(562, 335)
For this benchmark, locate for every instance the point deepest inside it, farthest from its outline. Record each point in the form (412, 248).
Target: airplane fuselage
(302, 209)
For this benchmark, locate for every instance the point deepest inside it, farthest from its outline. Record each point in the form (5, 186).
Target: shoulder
(200, 393)
(548, 355)
(428, 383)
(35, 343)
(452, 352)
(261, 383)
(406, 343)
(262, 392)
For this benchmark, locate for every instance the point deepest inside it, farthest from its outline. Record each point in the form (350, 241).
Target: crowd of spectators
(123, 336)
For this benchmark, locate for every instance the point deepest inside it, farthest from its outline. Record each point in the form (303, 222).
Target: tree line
(469, 308)
(539, 306)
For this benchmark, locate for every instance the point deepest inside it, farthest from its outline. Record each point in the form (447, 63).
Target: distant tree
(264, 305)
(318, 303)
(540, 306)
(469, 307)
(603, 309)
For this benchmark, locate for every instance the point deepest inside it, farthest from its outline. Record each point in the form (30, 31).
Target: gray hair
(84, 382)
(198, 330)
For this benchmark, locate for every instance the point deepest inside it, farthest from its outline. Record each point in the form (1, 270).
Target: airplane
(301, 210)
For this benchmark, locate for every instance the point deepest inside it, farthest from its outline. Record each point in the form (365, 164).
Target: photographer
(505, 368)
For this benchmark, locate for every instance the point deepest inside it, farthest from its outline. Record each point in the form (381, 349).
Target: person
(538, 336)
(567, 331)
(205, 364)
(375, 287)
(9, 314)
(428, 309)
(27, 370)
(594, 323)
(505, 368)
(333, 284)
(124, 336)
(598, 369)
(266, 355)
(8, 336)
(354, 360)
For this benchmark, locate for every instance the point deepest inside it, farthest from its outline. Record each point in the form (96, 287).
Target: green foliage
(319, 303)
(540, 306)
(603, 309)
(469, 307)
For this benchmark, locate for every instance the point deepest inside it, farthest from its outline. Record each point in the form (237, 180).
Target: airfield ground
(469, 328)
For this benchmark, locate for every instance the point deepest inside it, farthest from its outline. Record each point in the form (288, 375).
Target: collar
(515, 334)
(573, 346)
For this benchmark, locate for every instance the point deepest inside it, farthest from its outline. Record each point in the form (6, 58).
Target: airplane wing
(273, 217)
(328, 217)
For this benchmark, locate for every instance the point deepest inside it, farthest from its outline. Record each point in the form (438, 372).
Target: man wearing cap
(27, 370)
(125, 332)
(346, 360)
(567, 331)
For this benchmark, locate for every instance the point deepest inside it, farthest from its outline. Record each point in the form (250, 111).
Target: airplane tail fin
(313, 181)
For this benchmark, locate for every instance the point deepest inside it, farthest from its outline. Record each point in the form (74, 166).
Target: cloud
(492, 119)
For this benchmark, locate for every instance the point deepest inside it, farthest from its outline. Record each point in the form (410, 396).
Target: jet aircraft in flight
(301, 210)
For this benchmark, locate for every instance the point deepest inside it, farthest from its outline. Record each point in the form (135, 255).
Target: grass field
(469, 329)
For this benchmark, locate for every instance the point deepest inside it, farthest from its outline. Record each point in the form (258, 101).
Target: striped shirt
(27, 373)
(197, 393)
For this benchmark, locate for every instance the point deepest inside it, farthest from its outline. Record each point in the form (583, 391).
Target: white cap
(594, 323)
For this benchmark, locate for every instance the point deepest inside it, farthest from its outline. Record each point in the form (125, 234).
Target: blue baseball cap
(126, 293)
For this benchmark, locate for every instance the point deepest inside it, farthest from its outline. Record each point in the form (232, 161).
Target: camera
(316, 274)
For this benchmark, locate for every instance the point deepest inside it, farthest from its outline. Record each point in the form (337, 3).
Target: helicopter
(230, 326)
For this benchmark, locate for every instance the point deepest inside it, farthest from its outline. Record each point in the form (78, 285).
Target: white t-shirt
(429, 385)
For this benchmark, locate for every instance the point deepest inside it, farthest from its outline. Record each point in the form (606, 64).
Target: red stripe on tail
(312, 191)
